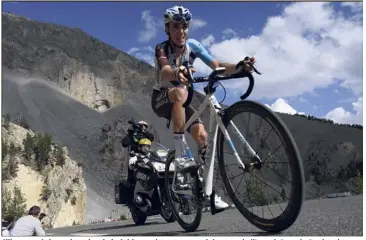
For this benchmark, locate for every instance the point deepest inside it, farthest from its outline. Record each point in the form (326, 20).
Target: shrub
(13, 207)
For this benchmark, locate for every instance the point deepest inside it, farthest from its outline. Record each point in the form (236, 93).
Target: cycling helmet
(144, 145)
(143, 123)
(177, 14)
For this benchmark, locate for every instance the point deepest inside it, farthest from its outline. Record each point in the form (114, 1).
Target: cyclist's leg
(177, 96)
(169, 102)
(199, 134)
(162, 107)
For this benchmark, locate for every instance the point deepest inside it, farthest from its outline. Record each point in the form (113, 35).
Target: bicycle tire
(197, 221)
(292, 211)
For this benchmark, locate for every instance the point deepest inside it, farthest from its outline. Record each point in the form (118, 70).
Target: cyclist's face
(178, 32)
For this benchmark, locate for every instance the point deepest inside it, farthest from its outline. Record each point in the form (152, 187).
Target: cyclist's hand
(182, 76)
(248, 63)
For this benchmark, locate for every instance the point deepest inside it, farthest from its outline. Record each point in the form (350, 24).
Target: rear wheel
(291, 212)
(181, 201)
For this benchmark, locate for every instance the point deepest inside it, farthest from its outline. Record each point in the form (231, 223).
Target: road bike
(219, 121)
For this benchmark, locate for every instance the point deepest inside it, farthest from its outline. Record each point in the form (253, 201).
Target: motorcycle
(146, 197)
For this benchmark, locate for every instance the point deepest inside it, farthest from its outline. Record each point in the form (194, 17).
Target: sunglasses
(182, 17)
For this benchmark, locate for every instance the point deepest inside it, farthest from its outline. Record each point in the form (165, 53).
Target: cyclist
(169, 91)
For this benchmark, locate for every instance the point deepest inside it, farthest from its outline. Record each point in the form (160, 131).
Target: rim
(166, 211)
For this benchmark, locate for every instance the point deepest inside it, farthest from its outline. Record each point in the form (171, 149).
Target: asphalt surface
(323, 217)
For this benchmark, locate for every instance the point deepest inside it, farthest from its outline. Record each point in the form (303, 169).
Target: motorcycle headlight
(159, 166)
(172, 167)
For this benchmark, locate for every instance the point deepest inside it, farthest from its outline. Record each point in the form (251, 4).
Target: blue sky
(280, 35)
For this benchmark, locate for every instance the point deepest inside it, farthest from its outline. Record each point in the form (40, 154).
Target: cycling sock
(178, 143)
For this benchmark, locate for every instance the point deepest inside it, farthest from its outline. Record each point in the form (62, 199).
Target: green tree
(4, 149)
(13, 205)
(255, 191)
(359, 182)
(28, 144)
(6, 122)
(59, 154)
(46, 193)
(42, 150)
(10, 167)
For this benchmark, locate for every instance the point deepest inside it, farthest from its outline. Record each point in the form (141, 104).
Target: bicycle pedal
(190, 169)
(214, 210)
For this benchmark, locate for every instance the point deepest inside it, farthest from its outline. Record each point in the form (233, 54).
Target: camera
(41, 216)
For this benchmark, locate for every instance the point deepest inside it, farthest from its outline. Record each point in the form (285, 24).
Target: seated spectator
(27, 226)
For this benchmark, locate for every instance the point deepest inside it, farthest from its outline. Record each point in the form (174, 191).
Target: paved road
(325, 217)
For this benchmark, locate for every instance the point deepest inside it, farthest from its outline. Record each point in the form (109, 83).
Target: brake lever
(188, 67)
(241, 63)
(255, 69)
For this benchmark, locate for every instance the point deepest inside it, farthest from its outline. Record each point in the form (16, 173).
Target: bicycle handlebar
(216, 76)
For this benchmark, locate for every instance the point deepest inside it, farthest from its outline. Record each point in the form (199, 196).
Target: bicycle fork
(227, 137)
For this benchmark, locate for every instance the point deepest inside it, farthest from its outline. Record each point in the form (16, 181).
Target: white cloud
(228, 33)
(340, 115)
(297, 53)
(280, 105)
(133, 50)
(145, 54)
(150, 27)
(197, 23)
(207, 41)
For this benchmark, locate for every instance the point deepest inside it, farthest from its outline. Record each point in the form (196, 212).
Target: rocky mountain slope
(57, 186)
(56, 77)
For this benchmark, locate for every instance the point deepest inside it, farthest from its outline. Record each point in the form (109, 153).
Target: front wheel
(257, 199)
(187, 203)
(138, 217)
(167, 214)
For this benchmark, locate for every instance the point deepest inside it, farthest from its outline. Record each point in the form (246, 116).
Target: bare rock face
(81, 65)
(60, 191)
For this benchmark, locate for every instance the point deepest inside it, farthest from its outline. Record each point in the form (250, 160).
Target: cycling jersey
(164, 55)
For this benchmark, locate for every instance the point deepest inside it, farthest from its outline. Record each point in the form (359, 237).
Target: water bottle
(187, 152)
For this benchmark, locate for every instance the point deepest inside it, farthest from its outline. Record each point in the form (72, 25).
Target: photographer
(135, 133)
(28, 225)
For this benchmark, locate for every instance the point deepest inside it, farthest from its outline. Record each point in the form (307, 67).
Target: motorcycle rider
(169, 91)
(137, 137)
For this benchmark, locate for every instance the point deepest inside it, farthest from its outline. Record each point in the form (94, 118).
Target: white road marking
(88, 234)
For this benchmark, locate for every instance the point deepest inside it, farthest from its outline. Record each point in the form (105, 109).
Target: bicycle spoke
(270, 155)
(239, 183)
(278, 174)
(259, 132)
(267, 184)
(237, 176)
(250, 199)
(258, 150)
(278, 162)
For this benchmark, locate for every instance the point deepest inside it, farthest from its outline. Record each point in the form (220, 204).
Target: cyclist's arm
(230, 68)
(166, 71)
(202, 53)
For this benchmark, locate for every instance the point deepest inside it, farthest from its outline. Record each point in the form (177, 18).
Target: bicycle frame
(215, 123)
